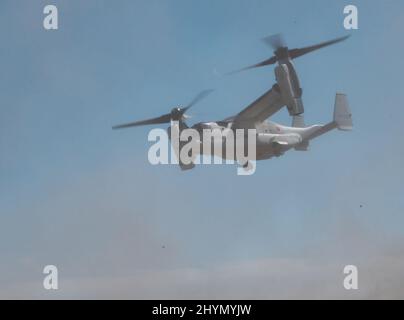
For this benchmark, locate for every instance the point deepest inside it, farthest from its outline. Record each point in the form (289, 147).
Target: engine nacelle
(290, 95)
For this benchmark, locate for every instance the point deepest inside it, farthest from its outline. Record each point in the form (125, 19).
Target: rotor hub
(282, 53)
(177, 113)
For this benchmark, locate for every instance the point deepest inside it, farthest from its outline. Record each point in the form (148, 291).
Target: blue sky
(76, 194)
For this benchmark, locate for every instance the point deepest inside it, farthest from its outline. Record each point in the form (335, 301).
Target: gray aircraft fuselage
(272, 139)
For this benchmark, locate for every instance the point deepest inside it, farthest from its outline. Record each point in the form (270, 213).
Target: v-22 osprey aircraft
(272, 139)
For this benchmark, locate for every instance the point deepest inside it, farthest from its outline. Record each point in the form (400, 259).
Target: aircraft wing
(262, 108)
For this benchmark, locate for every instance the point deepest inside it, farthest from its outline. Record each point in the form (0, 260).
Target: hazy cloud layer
(263, 279)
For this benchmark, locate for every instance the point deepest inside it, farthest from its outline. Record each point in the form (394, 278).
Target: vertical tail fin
(342, 118)
(342, 112)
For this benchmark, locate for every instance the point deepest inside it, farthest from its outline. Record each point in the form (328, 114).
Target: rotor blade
(198, 98)
(267, 62)
(163, 119)
(275, 41)
(294, 53)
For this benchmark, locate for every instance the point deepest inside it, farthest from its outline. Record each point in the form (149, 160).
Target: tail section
(342, 118)
(342, 113)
